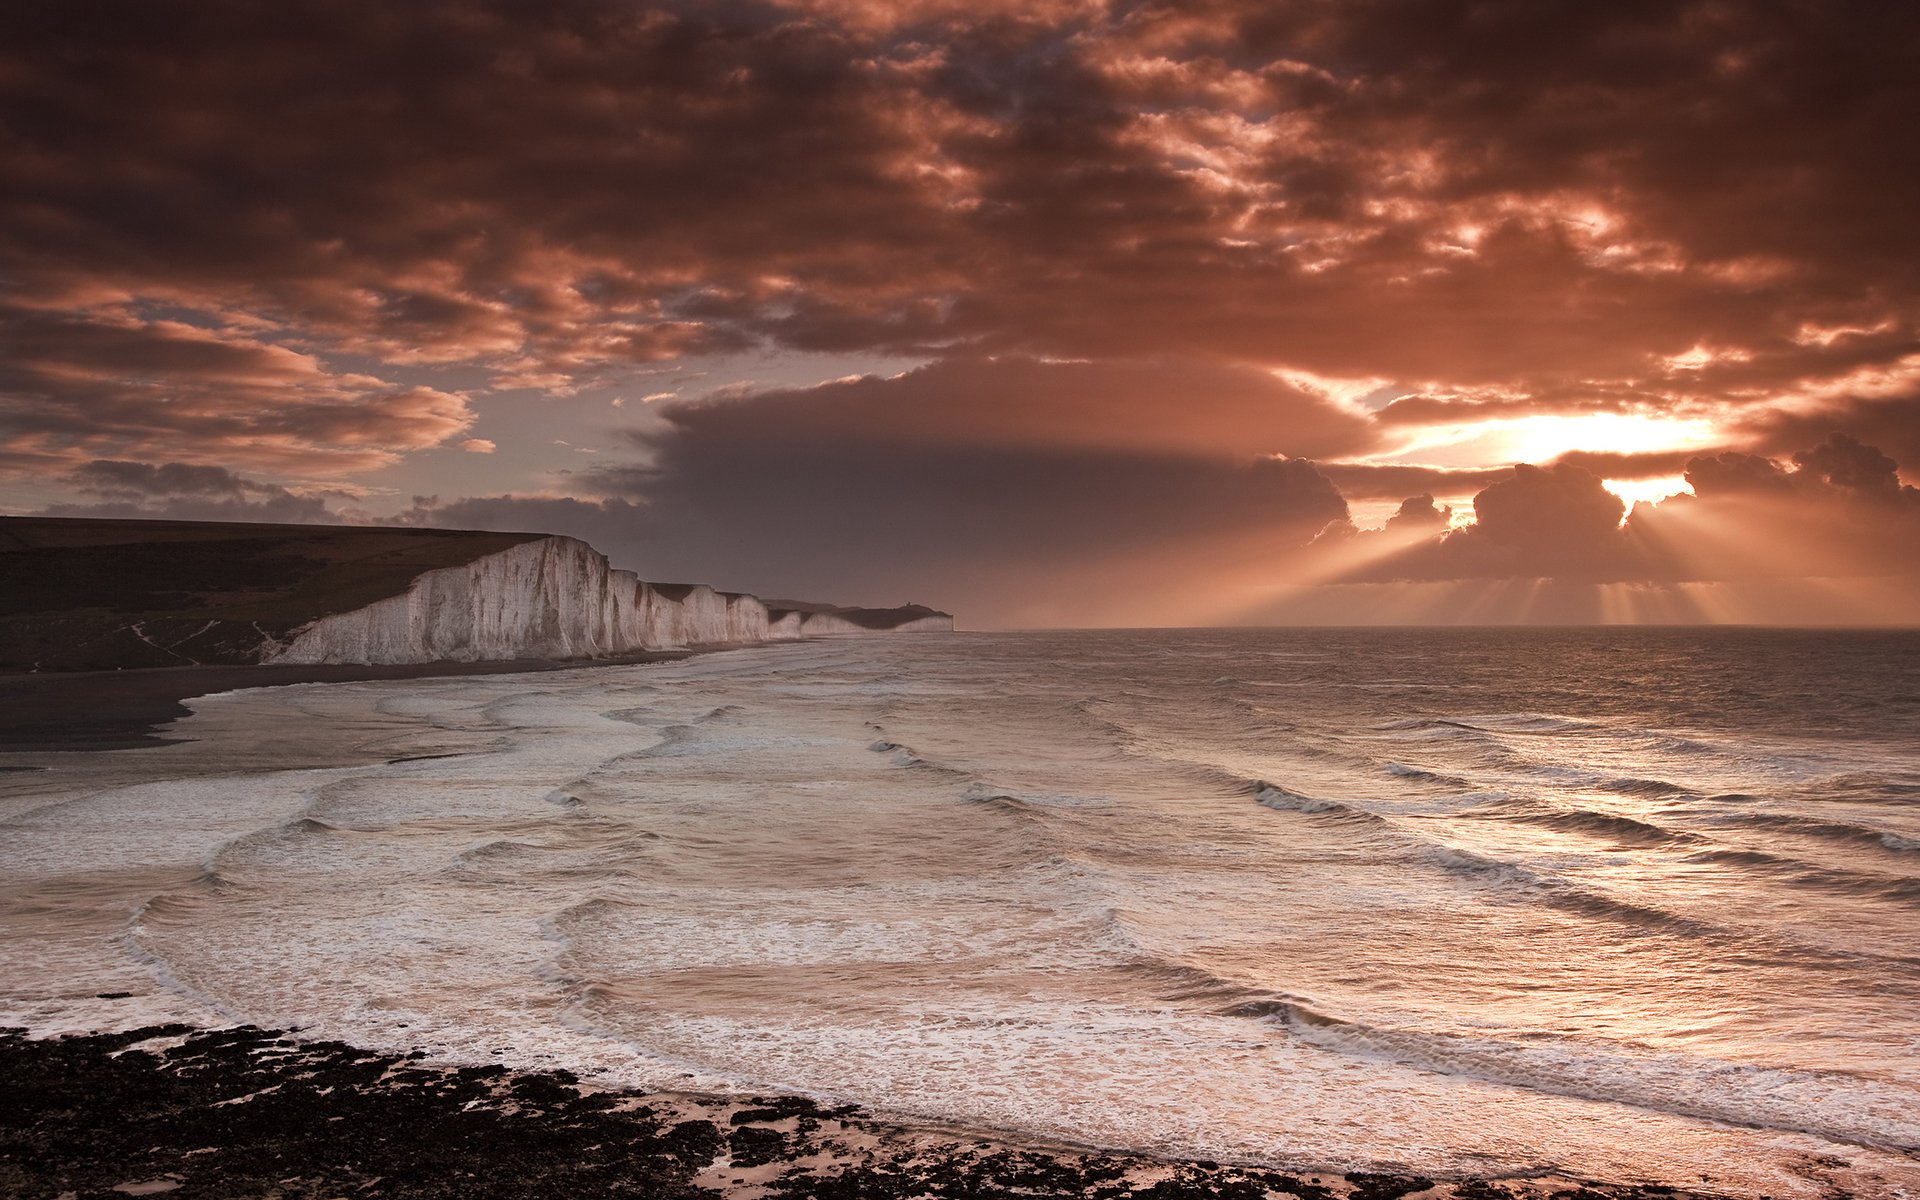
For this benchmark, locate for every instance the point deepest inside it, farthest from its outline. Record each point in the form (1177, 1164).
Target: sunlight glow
(1536, 439)
(1810, 334)
(1633, 491)
(1544, 437)
(1347, 393)
(1701, 357)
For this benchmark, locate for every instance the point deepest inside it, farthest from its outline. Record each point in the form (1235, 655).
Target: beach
(123, 710)
(1207, 914)
(247, 1112)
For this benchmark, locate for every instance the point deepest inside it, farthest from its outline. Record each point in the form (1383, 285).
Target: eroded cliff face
(673, 615)
(551, 598)
(783, 625)
(556, 597)
(825, 623)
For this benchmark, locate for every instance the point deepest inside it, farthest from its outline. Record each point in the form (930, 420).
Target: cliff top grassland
(84, 593)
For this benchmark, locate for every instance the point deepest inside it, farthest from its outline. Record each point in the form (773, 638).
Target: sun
(1633, 491)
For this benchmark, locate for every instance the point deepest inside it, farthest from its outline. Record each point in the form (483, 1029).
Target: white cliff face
(822, 623)
(551, 598)
(674, 615)
(746, 618)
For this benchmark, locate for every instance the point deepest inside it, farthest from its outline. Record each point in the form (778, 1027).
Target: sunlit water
(1630, 904)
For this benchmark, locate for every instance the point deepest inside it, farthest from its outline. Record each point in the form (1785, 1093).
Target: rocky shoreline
(250, 1112)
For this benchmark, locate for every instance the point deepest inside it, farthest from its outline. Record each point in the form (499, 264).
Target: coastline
(121, 710)
(250, 1112)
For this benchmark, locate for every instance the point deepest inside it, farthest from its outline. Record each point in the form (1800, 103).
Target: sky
(1059, 313)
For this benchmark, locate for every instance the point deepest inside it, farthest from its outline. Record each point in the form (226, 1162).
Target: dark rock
(251, 1112)
(751, 1147)
(1385, 1187)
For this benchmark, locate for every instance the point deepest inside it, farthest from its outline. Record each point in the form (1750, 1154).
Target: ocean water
(1629, 904)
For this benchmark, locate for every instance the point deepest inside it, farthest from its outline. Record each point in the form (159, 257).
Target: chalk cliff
(92, 595)
(557, 598)
(551, 598)
(914, 620)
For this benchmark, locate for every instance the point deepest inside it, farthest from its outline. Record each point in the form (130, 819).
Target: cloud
(887, 490)
(1420, 514)
(1555, 521)
(1733, 473)
(1007, 537)
(1844, 463)
(1891, 423)
(1598, 204)
(1838, 513)
(1627, 465)
(478, 446)
(1392, 481)
(187, 492)
(1549, 510)
(617, 527)
(1839, 468)
(131, 479)
(113, 383)
(1170, 407)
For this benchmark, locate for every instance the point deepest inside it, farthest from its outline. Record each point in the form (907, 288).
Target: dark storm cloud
(1427, 189)
(880, 488)
(1840, 467)
(1844, 463)
(181, 491)
(533, 190)
(451, 181)
(1732, 473)
(1536, 521)
(1004, 536)
(133, 479)
(1892, 423)
(894, 480)
(1172, 407)
(620, 528)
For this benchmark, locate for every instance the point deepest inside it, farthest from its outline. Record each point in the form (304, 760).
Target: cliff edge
(91, 595)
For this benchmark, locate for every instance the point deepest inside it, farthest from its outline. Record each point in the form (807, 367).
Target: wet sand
(248, 1112)
(120, 710)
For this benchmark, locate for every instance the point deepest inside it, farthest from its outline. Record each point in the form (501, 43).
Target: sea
(1620, 903)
